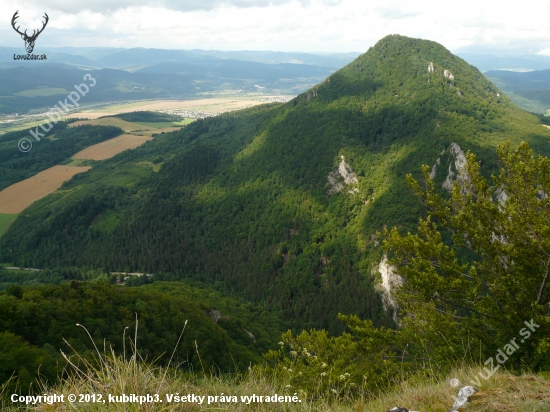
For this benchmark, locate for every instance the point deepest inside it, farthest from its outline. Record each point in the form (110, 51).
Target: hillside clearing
(110, 148)
(42, 91)
(5, 222)
(17, 197)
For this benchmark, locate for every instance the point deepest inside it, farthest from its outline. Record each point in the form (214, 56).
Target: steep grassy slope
(242, 200)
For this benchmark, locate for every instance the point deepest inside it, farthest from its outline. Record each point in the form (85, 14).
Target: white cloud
(109, 6)
(288, 25)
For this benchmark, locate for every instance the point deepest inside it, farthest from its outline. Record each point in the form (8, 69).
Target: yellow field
(214, 105)
(107, 121)
(112, 147)
(134, 128)
(17, 197)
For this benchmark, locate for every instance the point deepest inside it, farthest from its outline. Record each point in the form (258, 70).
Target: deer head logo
(29, 40)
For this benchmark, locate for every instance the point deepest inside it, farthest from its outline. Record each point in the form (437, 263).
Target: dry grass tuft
(117, 375)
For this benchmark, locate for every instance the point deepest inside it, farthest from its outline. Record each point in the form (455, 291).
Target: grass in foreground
(503, 392)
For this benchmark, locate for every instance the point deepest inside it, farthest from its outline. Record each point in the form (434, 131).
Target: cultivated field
(17, 197)
(139, 129)
(211, 105)
(214, 105)
(112, 147)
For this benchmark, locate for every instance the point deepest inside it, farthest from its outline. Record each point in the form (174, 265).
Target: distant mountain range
(132, 59)
(487, 62)
(132, 74)
(138, 73)
(529, 90)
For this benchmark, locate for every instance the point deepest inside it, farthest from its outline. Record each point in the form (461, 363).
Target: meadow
(43, 91)
(6, 221)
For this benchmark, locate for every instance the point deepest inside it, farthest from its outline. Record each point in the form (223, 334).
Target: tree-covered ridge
(36, 322)
(148, 116)
(241, 200)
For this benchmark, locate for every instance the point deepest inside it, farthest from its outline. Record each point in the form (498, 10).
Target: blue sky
(283, 25)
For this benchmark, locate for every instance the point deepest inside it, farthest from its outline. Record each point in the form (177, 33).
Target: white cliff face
(448, 75)
(335, 185)
(501, 196)
(459, 165)
(434, 168)
(390, 281)
(431, 68)
(344, 172)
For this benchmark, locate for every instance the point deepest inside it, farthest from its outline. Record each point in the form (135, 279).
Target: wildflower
(323, 374)
(281, 343)
(293, 353)
(323, 365)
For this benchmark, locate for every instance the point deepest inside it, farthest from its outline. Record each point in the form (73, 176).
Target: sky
(503, 27)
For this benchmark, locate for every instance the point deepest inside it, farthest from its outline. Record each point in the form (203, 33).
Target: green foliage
(237, 316)
(20, 362)
(24, 277)
(480, 262)
(357, 362)
(37, 322)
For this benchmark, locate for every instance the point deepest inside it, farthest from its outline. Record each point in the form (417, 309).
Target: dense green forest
(57, 145)
(241, 201)
(36, 322)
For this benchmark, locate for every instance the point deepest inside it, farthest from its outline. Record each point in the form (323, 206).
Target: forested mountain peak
(400, 70)
(247, 201)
